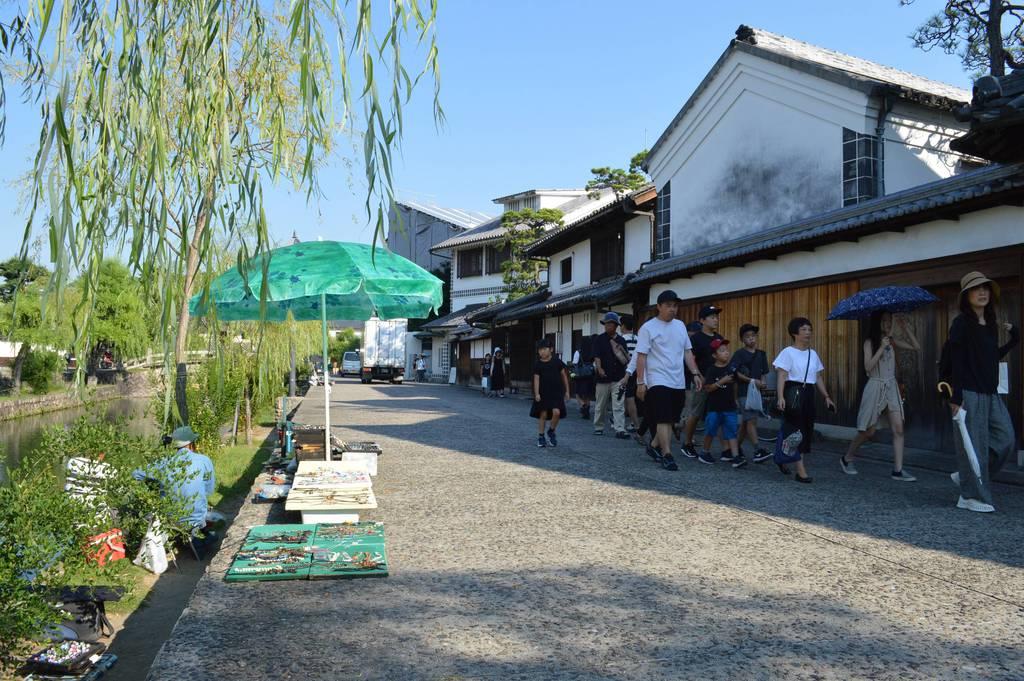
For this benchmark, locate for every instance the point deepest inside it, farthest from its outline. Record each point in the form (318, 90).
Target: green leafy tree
(41, 367)
(987, 35)
(618, 180)
(344, 341)
(35, 320)
(17, 273)
(520, 273)
(165, 119)
(121, 310)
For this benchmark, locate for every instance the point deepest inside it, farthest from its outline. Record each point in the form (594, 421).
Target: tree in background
(18, 273)
(344, 341)
(32, 318)
(520, 273)
(618, 180)
(164, 119)
(123, 316)
(974, 30)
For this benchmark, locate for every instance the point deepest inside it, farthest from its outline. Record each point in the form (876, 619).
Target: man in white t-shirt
(663, 353)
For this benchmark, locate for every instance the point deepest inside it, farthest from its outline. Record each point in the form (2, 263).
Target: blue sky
(537, 92)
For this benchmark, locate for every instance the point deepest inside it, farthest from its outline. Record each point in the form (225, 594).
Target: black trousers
(802, 418)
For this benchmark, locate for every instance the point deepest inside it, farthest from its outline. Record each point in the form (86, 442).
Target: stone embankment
(138, 384)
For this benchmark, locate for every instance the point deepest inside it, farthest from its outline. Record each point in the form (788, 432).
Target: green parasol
(325, 280)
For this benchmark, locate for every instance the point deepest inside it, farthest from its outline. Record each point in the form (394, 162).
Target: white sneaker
(975, 505)
(847, 466)
(955, 477)
(903, 476)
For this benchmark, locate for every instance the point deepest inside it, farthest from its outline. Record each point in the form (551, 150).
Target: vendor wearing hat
(975, 354)
(610, 360)
(696, 400)
(190, 475)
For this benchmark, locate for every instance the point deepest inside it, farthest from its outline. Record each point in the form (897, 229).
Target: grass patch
(235, 469)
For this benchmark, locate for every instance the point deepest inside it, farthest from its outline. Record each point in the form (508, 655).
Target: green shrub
(45, 531)
(41, 367)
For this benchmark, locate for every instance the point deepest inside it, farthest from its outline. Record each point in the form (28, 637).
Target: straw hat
(973, 279)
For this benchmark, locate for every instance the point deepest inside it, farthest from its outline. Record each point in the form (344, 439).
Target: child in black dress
(550, 391)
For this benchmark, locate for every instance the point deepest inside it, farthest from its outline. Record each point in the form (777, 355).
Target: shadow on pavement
(584, 622)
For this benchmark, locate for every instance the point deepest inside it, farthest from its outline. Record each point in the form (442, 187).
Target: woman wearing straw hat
(975, 353)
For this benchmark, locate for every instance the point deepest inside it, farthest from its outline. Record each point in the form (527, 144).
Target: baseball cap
(749, 327)
(718, 342)
(709, 310)
(610, 317)
(544, 343)
(668, 296)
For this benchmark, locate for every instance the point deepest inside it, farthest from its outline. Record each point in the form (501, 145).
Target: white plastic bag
(152, 554)
(485, 382)
(754, 402)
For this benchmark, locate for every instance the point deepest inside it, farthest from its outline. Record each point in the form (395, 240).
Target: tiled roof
(948, 197)
(855, 72)
(601, 292)
(466, 219)
(492, 230)
(453, 319)
(580, 224)
(489, 312)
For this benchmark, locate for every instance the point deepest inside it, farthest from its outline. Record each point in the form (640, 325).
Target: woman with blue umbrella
(882, 392)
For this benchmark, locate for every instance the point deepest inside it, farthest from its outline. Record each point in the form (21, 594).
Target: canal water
(19, 436)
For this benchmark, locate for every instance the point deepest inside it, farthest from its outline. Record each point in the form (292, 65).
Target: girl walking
(485, 375)
(882, 393)
(799, 370)
(498, 374)
(975, 353)
(550, 392)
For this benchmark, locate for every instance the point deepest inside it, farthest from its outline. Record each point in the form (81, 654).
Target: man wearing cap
(697, 399)
(663, 354)
(610, 360)
(190, 474)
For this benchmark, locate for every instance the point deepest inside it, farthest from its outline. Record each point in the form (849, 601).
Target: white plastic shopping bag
(152, 554)
(1004, 379)
(754, 401)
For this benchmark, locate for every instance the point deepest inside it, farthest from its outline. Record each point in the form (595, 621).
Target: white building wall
(465, 291)
(983, 230)
(580, 254)
(638, 242)
(917, 146)
(762, 146)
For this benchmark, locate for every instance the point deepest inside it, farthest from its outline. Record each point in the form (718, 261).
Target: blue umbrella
(885, 299)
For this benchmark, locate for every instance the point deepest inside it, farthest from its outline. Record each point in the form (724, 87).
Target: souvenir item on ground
(152, 554)
(66, 657)
(270, 492)
(106, 547)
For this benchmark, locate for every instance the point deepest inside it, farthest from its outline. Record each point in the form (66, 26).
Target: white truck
(383, 350)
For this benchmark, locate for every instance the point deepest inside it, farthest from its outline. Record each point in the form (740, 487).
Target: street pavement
(590, 562)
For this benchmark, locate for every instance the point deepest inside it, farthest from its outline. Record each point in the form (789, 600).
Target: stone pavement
(589, 562)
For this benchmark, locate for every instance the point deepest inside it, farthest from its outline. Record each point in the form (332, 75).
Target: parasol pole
(327, 381)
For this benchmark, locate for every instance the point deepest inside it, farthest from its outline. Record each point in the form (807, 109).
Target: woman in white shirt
(800, 370)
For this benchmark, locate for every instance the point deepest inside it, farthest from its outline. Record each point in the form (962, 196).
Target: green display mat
(321, 551)
(273, 553)
(348, 550)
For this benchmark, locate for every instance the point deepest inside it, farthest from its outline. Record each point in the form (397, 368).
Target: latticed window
(496, 255)
(471, 262)
(860, 167)
(663, 223)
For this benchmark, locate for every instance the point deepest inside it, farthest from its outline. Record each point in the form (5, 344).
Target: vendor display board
(273, 552)
(345, 550)
(330, 491)
(324, 551)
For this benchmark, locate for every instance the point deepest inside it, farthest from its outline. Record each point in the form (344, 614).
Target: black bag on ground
(86, 612)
